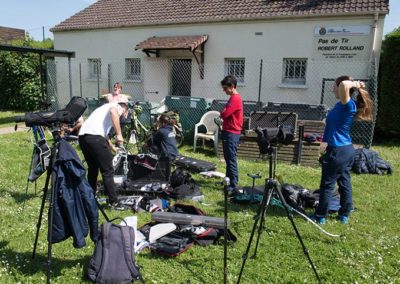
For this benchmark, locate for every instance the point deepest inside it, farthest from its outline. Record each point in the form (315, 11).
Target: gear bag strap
(128, 238)
(105, 232)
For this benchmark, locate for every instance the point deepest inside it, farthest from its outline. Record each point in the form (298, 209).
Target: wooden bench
(309, 154)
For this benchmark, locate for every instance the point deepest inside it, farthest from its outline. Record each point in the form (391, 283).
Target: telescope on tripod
(62, 152)
(268, 140)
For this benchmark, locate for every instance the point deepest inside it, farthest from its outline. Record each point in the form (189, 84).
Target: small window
(294, 71)
(132, 69)
(235, 67)
(94, 66)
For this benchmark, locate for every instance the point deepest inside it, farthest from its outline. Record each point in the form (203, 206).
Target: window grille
(294, 71)
(94, 67)
(132, 69)
(236, 68)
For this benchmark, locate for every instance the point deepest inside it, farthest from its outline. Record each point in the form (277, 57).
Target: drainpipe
(372, 54)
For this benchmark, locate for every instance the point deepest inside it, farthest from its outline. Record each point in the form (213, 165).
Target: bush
(389, 86)
(20, 77)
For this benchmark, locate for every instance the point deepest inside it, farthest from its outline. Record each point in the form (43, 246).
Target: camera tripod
(272, 188)
(49, 184)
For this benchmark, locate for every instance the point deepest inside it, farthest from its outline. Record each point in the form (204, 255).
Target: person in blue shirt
(164, 139)
(354, 103)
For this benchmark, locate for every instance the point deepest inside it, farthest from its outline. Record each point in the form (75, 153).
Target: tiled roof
(10, 34)
(127, 13)
(172, 42)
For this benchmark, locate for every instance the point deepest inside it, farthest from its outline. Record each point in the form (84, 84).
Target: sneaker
(343, 219)
(318, 220)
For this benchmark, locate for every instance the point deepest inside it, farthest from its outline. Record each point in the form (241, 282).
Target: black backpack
(113, 260)
(179, 177)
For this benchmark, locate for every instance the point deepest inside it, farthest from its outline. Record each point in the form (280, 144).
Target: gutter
(372, 57)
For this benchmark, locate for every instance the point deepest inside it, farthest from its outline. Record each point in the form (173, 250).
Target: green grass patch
(367, 251)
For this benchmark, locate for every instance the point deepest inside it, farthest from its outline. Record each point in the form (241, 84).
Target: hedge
(389, 86)
(20, 77)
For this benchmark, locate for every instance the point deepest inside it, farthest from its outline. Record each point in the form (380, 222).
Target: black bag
(113, 260)
(182, 185)
(194, 165)
(179, 177)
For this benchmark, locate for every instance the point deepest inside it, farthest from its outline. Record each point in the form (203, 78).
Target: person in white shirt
(93, 140)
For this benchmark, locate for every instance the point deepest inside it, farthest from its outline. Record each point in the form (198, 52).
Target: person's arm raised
(345, 87)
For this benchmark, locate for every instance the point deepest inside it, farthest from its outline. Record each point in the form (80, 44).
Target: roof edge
(54, 29)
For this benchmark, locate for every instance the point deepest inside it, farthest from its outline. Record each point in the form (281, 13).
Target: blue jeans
(230, 143)
(336, 166)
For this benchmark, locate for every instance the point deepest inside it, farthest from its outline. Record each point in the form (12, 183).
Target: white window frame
(237, 68)
(133, 69)
(294, 71)
(92, 68)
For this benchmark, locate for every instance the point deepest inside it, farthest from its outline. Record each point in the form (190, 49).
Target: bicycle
(139, 134)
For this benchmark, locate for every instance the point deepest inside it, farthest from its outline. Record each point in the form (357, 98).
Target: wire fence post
(80, 79)
(98, 79)
(259, 80)
(70, 76)
(109, 77)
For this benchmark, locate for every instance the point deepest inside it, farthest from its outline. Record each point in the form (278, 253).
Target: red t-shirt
(232, 115)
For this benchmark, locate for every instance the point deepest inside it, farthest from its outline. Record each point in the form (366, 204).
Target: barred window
(235, 67)
(94, 67)
(294, 71)
(132, 69)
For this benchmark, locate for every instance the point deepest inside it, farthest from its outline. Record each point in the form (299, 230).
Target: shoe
(343, 219)
(318, 220)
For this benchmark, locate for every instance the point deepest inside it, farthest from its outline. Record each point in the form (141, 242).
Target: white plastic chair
(207, 120)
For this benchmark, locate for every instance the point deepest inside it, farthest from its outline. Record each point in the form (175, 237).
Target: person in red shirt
(232, 122)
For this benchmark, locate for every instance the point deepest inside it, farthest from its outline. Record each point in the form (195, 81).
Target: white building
(164, 47)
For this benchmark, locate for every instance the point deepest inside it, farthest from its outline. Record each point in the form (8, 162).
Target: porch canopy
(194, 44)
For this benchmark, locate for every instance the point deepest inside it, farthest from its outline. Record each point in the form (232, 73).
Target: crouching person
(93, 140)
(164, 140)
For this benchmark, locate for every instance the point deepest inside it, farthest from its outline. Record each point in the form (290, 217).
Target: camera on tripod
(69, 115)
(271, 136)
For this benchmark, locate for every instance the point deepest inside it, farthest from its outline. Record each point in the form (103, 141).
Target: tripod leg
(262, 222)
(102, 210)
(225, 233)
(45, 189)
(256, 219)
(290, 217)
(27, 180)
(51, 212)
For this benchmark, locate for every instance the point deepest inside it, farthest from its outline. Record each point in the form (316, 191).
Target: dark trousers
(336, 166)
(230, 143)
(98, 156)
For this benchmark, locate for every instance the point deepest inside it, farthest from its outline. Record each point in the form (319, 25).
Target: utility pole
(43, 32)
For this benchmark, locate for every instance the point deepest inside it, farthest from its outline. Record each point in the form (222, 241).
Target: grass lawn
(367, 252)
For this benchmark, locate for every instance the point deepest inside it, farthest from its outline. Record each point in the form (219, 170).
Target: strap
(128, 240)
(105, 239)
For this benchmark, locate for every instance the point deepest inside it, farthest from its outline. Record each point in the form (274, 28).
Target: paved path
(10, 129)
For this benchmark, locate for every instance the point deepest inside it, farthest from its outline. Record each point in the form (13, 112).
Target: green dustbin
(92, 104)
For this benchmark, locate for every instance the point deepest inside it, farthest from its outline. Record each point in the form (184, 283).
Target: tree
(389, 86)
(20, 77)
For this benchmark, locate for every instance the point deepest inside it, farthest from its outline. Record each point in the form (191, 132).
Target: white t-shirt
(99, 122)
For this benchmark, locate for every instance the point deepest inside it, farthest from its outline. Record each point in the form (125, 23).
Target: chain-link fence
(296, 85)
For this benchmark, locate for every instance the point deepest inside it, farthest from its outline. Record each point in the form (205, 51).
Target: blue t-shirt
(338, 124)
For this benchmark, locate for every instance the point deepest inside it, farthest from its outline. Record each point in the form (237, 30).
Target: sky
(33, 15)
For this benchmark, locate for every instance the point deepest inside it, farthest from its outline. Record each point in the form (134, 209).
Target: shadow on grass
(18, 261)
(22, 197)
(194, 262)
